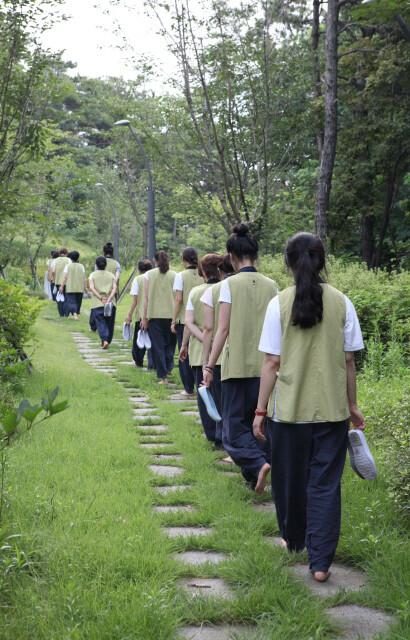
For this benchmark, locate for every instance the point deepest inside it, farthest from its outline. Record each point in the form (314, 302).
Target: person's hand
(104, 299)
(183, 354)
(61, 289)
(356, 419)
(259, 428)
(85, 290)
(208, 378)
(174, 329)
(144, 324)
(128, 319)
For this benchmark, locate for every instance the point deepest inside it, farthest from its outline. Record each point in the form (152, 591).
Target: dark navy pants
(185, 370)
(163, 343)
(73, 303)
(307, 465)
(239, 401)
(104, 324)
(212, 429)
(61, 306)
(138, 353)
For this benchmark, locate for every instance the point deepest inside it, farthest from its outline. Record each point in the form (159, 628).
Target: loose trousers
(73, 303)
(185, 370)
(212, 429)
(307, 463)
(163, 343)
(104, 324)
(61, 306)
(239, 401)
(138, 353)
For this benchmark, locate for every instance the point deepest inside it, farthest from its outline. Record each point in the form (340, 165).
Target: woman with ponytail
(157, 316)
(183, 285)
(243, 300)
(310, 333)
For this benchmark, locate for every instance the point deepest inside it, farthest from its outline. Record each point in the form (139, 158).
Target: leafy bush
(18, 313)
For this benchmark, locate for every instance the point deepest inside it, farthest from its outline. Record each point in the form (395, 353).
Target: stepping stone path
(359, 622)
(341, 577)
(167, 471)
(207, 587)
(200, 557)
(354, 621)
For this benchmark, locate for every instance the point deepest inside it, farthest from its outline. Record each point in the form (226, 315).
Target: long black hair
(242, 243)
(162, 258)
(305, 255)
(108, 250)
(190, 255)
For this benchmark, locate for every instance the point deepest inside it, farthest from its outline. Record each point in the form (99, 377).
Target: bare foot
(185, 393)
(228, 460)
(163, 381)
(75, 317)
(283, 543)
(105, 344)
(321, 576)
(260, 485)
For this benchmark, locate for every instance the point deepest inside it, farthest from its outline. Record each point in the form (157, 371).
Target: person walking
(183, 285)
(137, 305)
(54, 289)
(210, 299)
(103, 287)
(57, 273)
(194, 322)
(243, 301)
(113, 266)
(75, 284)
(48, 287)
(157, 315)
(307, 397)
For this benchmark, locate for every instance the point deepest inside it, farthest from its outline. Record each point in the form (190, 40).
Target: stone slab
(139, 400)
(177, 396)
(275, 541)
(359, 622)
(185, 532)
(131, 364)
(141, 405)
(172, 488)
(190, 413)
(200, 557)
(206, 587)
(229, 474)
(153, 445)
(144, 411)
(264, 507)
(146, 415)
(168, 470)
(165, 508)
(341, 577)
(167, 456)
(154, 427)
(213, 633)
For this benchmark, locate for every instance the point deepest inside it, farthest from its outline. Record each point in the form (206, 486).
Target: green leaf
(24, 404)
(53, 395)
(9, 423)
(56, 408)
(31, 413)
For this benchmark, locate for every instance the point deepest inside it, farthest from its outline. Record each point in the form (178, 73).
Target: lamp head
(122, 123)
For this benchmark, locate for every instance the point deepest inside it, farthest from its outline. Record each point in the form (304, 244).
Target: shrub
(18, 313)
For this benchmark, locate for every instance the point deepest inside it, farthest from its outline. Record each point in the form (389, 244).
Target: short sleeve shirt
(189, 305)
(207, 297)
(178, 283)
(134, 287)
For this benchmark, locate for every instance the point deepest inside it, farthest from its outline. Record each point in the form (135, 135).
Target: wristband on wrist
(261, 413)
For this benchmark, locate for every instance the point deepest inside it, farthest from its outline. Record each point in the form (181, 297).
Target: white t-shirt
(207, 297)
(189, 305)
(134, 287)
(178, 283)
(66, 268)
(225, 294)
(271, 336)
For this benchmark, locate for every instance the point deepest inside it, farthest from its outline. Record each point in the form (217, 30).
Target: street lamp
(116, 241)
(152, 245)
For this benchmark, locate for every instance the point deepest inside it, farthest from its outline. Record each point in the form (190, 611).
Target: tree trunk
(390, 193)
(317, 89)
(145, 239)
(330, 131)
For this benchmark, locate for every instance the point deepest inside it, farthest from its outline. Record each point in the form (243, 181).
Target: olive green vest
(112, 266)
(139, 309)
(103, 281)
(195, 345)
(161, 295)
(75, 278)
(312, 385)
(251, 293)
(190, 279)
(60, 264)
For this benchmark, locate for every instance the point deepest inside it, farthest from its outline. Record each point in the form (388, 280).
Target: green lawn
(98, 563)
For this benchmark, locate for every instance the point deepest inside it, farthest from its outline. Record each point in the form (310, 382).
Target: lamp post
(152, 245)
(116, 240)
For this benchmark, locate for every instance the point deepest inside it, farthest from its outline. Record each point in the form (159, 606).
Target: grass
(100, 566)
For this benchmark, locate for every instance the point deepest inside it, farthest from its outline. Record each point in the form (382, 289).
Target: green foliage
(17, 316)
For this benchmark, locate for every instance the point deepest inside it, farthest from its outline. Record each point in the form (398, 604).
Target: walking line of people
(279, 366)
